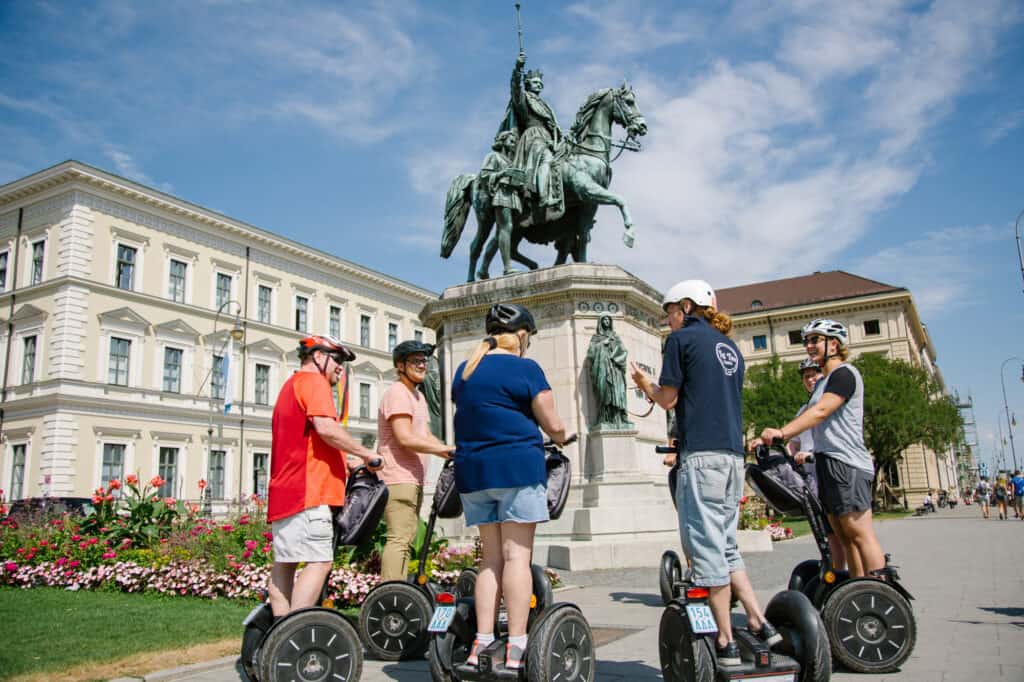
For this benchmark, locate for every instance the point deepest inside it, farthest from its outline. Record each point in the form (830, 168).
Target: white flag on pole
(227, 378)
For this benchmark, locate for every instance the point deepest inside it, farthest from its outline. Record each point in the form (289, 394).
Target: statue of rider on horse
(539, 183)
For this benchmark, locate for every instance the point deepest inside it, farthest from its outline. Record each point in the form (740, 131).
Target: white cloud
(630, 28)
(1004, 126)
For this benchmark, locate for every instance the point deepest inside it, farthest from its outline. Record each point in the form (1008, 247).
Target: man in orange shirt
(307, 474)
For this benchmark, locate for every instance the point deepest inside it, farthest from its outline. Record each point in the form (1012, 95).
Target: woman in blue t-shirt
(500, 399)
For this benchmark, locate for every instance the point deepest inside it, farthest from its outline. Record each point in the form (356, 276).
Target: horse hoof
(628, 240)
(483, 275)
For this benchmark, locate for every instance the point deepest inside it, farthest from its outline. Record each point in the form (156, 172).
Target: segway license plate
(252, 614)
(442, 618)
(701, 620)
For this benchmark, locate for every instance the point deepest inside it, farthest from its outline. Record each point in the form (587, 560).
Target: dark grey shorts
(843, 488)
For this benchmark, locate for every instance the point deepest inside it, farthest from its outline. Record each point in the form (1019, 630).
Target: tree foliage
(772, 395)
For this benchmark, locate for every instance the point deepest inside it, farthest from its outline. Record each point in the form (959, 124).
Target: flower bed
(139, 542)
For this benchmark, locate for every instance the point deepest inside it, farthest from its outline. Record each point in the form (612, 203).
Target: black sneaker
(768, 634)
(729, 655)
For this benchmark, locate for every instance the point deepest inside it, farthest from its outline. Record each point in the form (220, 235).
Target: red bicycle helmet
(327, 344)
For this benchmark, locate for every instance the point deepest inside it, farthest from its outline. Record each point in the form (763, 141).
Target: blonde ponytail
(719, 321)
(509, 342)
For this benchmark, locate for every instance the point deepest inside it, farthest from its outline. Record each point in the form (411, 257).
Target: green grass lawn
(50, 629)
(801, 526)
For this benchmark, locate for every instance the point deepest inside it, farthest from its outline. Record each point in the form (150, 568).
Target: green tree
(904, 406)
(772, 394)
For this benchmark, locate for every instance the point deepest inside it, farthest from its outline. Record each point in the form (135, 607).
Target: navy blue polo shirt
(707, 369)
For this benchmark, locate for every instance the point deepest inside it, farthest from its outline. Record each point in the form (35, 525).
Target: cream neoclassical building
(881, 319)
(116, 305)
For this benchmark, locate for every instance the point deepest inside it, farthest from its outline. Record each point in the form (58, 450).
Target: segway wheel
(671, 574)
(561, 648)
(447, 649)
(684, 656)
(393, 622)
(870, 625)
(803, 634)
(256, 629)
(309, 646)
(465, 584)
(802, 575)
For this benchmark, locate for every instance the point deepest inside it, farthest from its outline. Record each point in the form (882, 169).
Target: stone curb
(181, 671)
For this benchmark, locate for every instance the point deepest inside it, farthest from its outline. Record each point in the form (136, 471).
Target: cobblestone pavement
(964, 572)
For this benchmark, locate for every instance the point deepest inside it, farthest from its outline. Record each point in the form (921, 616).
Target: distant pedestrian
(1018, 492)
(983, 494)
(1000, 494)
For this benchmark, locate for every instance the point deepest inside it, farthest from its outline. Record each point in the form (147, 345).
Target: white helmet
(697, 290)
(825, 327)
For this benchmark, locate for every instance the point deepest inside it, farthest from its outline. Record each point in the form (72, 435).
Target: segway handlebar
(664, 449)
(568, 441)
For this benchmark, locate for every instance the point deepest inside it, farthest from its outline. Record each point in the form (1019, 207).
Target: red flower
(227, 528)
(93, 541)
(169, 501)
(110, 555)
(156, 481)
(163, 541)
(97, 499)
(10, 567)
(268, 535)
(43, 543)
(131, 479)
(76, 538)
(743, 500)
(109, 498)
(202, 484)
(115, 484)
(250, 544)
(74, 563)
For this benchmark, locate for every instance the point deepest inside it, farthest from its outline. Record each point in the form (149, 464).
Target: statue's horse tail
(456, 210)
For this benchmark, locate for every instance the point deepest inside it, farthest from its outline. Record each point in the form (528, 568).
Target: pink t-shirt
(401, 465)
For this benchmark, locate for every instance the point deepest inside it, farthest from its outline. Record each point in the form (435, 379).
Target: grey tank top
(841, 435)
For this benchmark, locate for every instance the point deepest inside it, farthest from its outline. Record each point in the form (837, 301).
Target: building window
(117, 373)
(263, 303)
(364, 401)
(215, 476)
(392, 336)
(28, 361)
(113, 464)
(301, 310)
(172, 370)
(18, 472)
(125, 267)
(3, 271)
(176, 281)
(872, 328)
(217, 378)
(334, 322)
(418, 335)
(167, 468)
(260, 473)
(760, 342)
(223, 289)
(757, 303)
(364, 331)
(262, 384)
(38, 250)
(796, 338)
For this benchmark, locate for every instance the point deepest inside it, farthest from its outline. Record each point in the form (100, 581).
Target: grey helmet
(807, 363)
(829, 328)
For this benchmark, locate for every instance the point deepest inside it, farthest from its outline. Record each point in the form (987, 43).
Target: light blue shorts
(708, 493)
(525, 504)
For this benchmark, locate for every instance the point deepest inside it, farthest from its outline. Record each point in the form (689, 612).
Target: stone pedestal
(619, 513)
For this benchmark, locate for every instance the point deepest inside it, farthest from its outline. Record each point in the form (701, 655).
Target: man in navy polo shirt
(702, 373)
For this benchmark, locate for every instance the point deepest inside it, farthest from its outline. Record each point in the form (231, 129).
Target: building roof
(793, 291)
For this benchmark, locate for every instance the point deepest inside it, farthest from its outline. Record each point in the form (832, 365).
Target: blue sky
(884, 138)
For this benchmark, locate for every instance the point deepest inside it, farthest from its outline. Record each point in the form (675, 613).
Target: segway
(869, 620)
(316, 643)
(393, 618)
(670, 575)
(561, 644)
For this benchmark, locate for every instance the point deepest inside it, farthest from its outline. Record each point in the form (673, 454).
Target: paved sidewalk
(965, 573)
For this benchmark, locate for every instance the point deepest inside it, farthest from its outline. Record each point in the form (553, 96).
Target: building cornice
(76, 173)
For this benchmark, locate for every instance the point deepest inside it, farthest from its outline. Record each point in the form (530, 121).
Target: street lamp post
(237, 333)
(1020, 254)
(1006, 407)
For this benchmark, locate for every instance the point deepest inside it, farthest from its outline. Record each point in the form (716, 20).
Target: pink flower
(169, 501)
(247, 554)
(250, 544)
(43, 543)
(227, 528)
(74, 563)
(93, 541)
(268, 535)
(110, 555)
(76, 538)
(10, 567)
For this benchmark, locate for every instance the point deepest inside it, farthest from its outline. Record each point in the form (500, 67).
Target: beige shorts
(307, 536)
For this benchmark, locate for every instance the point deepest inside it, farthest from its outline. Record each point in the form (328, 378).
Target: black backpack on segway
(561, 644)
(291, 643)
(870, 622)
(393, 618)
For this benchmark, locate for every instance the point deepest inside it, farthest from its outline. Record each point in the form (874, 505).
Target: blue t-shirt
(498, 443)
(1018, 486)
(707, 368)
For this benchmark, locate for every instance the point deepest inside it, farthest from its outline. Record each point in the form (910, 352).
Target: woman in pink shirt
(403, 437)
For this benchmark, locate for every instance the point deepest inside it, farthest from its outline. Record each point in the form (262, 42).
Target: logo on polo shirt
(727, 358)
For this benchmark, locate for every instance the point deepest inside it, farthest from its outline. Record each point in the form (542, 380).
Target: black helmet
(807, 363)
(407, 348)
(506, 318)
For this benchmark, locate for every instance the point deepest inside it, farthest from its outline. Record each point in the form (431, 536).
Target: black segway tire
(312, 644)
(255, 631)
(803, 634)
(465, 584)
(685, 657)
(670, 575)
(561, 646)
(871, 626)
(393, 621)
(802, 575)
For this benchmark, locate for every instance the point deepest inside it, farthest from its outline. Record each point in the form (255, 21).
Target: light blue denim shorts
(524, 504)
(708, 493)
